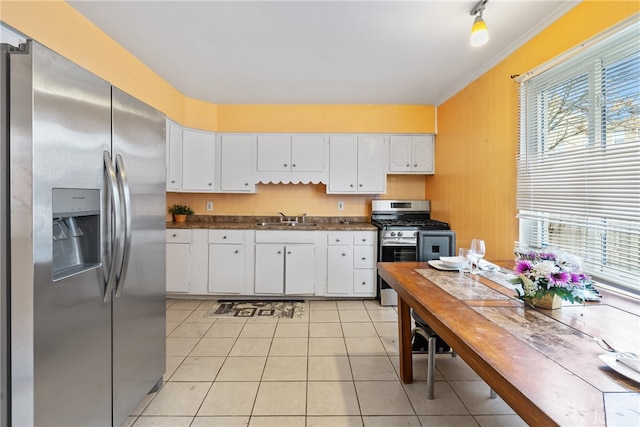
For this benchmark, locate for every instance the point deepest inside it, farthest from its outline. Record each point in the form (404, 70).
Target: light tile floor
(335, 366)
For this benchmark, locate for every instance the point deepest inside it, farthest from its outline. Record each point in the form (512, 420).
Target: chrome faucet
(284, 217)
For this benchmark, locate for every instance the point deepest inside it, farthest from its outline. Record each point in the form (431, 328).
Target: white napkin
(631, 362)
(486, 265)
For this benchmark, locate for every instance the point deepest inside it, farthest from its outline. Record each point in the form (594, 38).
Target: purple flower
(559, 278)
(522, 266)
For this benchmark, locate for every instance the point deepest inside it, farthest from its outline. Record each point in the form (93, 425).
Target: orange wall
(474, 188)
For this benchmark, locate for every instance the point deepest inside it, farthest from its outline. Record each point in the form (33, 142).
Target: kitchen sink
(287, 224)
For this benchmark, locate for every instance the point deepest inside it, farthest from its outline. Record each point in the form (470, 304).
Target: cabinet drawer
(277, 236)
(364, 282)
(365, 238)
(226, 236)
(178, 236)
(334, 239)
(364, 257)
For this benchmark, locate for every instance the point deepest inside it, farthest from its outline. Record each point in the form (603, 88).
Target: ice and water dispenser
(76, 231)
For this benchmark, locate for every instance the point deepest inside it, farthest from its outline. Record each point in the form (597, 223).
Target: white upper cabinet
(236, 163)
(290, 158)
(356, 164)
(174, 157)
(198, 160)
(411, 154)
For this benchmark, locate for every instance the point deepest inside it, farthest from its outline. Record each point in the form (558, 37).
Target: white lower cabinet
(178, 246)
(351, 262)
(284, 262)
(226, 262)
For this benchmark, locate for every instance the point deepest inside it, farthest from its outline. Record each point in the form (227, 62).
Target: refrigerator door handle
(112, 185)
(123, 186)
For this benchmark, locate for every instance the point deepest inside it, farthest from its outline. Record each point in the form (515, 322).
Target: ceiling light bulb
(479, 33)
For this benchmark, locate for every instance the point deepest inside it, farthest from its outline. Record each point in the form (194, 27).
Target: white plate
(439, 265)
(452, 261)
(621, 368)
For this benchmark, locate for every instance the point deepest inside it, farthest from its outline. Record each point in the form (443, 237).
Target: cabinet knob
(279, 252)
(351, 185)
(293, 165)
(224, 237)
(364, 283)
(246, 183)
(288, 252)
(236, 251)
(364, 259)
(173, 181)
(210, 184)
(343, 254)
(408, 165)
(415, 165)
(174, 235)
(337, 240)
(285, 165)
(361, 185)
(364, 239)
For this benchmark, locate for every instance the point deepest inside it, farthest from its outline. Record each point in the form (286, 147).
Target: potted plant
(180, 212)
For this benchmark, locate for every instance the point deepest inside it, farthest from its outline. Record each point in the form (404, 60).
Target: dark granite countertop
(229, 222)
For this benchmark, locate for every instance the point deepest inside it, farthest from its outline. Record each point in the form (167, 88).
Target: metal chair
(432, 244)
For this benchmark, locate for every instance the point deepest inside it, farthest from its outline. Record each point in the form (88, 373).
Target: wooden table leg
(404, 344)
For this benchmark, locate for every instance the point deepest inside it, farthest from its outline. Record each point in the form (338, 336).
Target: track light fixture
(479, 33)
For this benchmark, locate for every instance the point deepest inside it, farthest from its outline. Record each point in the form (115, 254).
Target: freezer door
(60, 329)
(139, 299)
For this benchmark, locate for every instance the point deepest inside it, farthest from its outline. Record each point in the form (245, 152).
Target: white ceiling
(319, 52)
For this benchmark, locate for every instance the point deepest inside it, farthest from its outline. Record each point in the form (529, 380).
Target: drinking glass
(478, 251)
(465, 260)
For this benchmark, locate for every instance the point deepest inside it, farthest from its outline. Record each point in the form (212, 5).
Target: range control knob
(415, 234)
(393, 233)
(399, 233)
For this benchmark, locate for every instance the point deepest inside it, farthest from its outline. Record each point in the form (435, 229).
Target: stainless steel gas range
(398, 223)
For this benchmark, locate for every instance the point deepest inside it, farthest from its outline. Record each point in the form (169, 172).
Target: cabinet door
(299, 269)
(226, 268)
(269, 271)
(198, 160)
(400, 148)
(422, 154)
(274, 153)
(343, 160)
(371, 175)
(177, 267)
(339, 269)
(174, 157)
(307, 153)
(236, 166)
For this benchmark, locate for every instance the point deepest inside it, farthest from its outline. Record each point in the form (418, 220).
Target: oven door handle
(397, 242)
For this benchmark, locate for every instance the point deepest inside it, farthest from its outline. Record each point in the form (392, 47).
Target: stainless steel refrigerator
(82, 256)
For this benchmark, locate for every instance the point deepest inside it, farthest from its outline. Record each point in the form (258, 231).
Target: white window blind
(579, 158)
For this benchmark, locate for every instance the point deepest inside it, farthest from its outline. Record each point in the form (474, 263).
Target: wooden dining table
(543, 363)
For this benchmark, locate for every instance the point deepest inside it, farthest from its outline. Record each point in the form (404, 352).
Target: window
(579, 158)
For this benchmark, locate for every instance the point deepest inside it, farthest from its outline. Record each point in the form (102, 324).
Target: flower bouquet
(548, 277)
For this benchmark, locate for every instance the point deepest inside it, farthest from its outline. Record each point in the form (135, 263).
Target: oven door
(397, 250)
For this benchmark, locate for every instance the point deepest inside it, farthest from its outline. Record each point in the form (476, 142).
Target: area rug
(277, 309)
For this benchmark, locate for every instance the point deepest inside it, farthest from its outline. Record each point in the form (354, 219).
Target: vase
(549, 301)
(179, 218)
